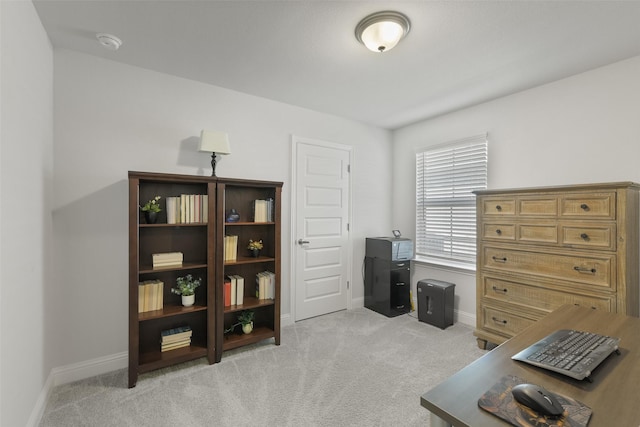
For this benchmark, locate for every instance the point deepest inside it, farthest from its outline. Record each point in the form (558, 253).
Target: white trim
(75, 372)
(295, 140)
(89, 368)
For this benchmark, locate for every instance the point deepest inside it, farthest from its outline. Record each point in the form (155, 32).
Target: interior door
(322, 246)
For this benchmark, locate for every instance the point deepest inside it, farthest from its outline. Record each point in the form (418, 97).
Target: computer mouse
(538, 399)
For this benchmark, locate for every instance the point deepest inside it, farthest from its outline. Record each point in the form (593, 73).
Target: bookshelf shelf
(185, 266)
(249, 304)
(164, 225)
(153, 360)
(202, 246)
(249, 260)
(234, 340)
(168, 311)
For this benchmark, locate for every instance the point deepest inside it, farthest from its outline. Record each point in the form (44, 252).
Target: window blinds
(445, 205)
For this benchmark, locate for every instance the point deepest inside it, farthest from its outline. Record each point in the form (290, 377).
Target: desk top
(613, 395)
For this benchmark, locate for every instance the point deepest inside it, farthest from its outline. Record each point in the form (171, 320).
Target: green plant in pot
(151, 210)
(186, 287)
(245, 318)
(255, 246)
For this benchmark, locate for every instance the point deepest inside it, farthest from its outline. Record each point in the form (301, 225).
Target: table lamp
(215, 143)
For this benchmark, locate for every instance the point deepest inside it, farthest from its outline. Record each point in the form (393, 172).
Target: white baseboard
(89, 368)
(466, 318)
(75, 372)
(357, 302)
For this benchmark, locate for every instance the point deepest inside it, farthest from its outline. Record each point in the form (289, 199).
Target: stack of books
(230, 248)
(265, 285)
(263, 210)
(187, 209)
(150, 295)
(167, 259)
(175, 338)
(233, 290)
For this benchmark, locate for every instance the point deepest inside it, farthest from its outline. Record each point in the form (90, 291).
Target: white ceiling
(304, 53)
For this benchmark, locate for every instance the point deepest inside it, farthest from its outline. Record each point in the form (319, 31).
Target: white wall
(112, 118)
(26, 168)
(583, 129)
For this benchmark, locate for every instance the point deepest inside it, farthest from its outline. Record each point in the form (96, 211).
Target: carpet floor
(350, 368)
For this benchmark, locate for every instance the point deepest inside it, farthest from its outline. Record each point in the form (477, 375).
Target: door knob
(302, 242)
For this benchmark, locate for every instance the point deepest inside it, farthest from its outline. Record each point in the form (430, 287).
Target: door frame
(295, 141)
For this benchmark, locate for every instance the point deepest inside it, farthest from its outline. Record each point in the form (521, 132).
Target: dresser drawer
(535, 295)
(538, 206)
(499, 231)
(498, 206)
(503, 323)
(538, 233)
(600, 236)
(597, 270)
(589, 205)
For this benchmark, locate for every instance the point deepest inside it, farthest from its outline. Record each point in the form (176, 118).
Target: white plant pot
(247, 328)
(188, 300)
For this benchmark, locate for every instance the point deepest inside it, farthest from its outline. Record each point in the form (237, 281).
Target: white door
(322, 246)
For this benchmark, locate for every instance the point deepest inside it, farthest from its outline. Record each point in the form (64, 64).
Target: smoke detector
(109, 41)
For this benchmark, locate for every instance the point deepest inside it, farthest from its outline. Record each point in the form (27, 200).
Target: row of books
(266, 285)
(167, 259)
(233, 290)
(187, 208)
(230, 248)
(150, 295)
(263, 210)
(174, 338)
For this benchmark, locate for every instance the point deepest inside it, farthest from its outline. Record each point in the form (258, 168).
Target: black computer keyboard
(569, 352)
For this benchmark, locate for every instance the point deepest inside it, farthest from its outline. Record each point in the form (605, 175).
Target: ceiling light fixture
(381, 31)
(109, 41)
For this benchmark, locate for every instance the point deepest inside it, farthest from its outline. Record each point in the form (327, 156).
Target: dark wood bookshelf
(202, 246)
(241, 195)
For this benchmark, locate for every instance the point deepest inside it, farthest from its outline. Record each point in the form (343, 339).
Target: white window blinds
(445, 205)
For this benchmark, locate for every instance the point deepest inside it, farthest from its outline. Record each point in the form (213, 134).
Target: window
(446, 175)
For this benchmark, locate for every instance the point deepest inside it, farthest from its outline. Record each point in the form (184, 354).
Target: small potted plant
(151, 209)
(186, 287)
(245, 318)
(255, 246)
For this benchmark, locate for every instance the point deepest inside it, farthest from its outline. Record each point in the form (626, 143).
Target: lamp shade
(214, 142)
(382, 31)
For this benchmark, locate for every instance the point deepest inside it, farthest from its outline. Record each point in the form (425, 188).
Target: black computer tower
(387, 275)
(435, 302)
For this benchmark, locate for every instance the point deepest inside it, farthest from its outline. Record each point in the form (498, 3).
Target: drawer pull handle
(400, 306)
(498, 232)
(400, 284)
(584, 270)
(499, 259)
(496, 289)
(584, 207)
(584, 236)
(498, 207)
(495, 319)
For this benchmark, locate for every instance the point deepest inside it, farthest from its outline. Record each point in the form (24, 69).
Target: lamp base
(213, 164)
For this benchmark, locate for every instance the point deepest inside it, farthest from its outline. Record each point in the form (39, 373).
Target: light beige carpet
(351, 368)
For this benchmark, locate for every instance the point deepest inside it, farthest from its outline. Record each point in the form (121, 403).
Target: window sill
(445, 264)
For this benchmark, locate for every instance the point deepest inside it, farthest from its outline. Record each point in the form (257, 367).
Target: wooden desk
(613, 395)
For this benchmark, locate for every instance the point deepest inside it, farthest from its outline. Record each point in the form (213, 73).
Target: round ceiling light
(109, 41)
(381, 31)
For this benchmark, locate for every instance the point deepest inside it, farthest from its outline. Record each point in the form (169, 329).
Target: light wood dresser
(541, 248)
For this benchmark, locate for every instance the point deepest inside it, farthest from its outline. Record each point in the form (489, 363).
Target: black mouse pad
(500, 402)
